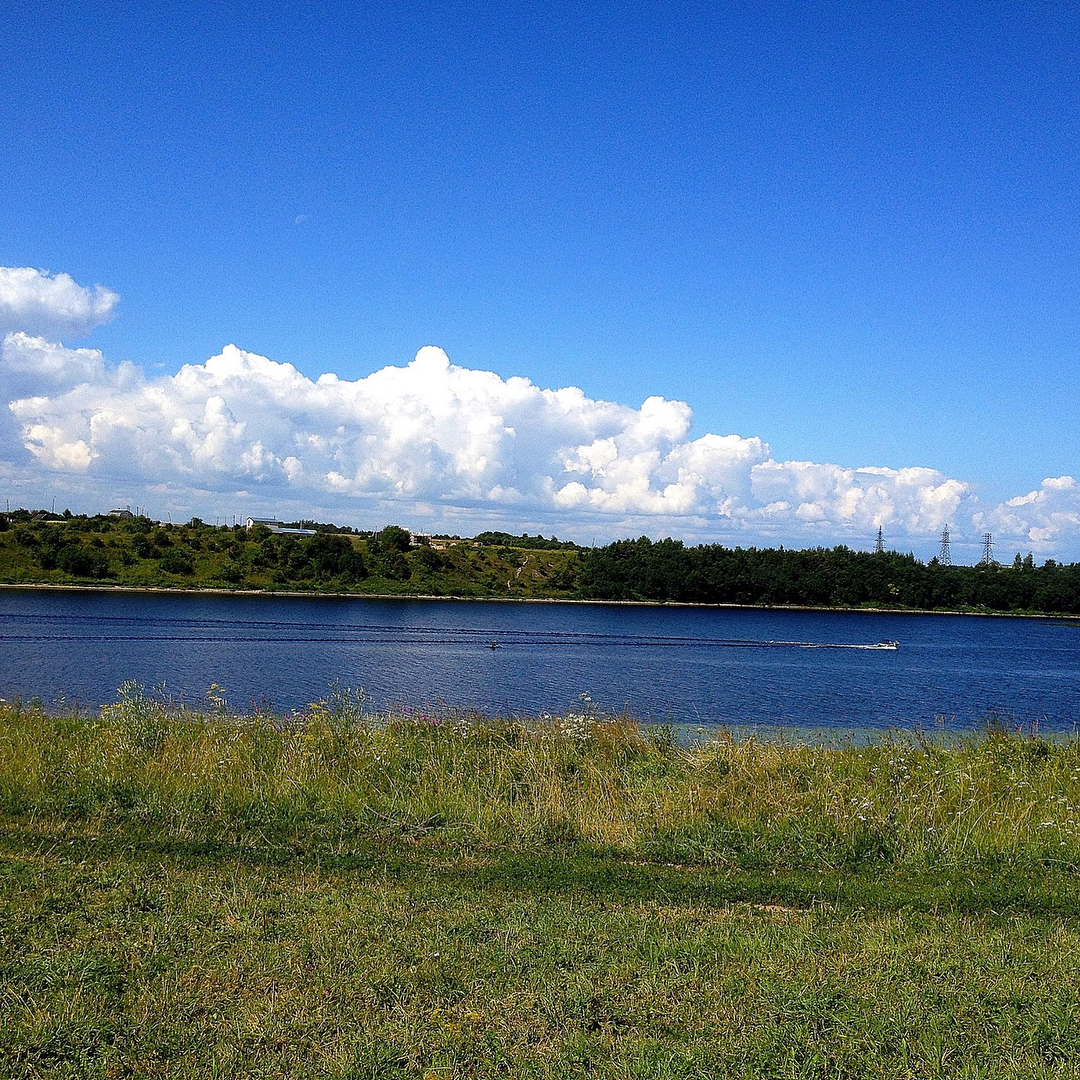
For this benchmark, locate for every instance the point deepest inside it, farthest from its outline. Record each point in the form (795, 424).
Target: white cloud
(453, 437)
(54, 306)
(1043, 519)
(445, 446)
(915, 500)
(37, 361)
(31, 365)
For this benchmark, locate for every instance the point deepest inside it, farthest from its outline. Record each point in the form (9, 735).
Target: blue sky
(848, 233)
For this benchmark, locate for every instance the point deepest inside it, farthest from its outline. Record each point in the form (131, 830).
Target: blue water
(661, 664)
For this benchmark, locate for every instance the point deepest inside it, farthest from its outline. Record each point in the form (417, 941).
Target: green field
(335, 894)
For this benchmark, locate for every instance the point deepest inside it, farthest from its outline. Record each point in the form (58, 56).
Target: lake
(696, 666)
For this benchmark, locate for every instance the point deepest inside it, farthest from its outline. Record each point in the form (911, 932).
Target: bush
(177, 562)
(82, 562)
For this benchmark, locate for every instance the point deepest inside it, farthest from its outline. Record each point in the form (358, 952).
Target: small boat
(886, 643)
(494, 645)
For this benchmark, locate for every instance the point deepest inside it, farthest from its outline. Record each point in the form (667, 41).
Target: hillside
(142, 554)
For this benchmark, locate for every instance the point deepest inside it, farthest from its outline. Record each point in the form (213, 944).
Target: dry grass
(334, 770)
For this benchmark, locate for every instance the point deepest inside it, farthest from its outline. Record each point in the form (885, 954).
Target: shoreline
(162, 590)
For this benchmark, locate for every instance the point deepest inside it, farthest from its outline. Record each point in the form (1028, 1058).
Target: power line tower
(988, 549)
(945, 558)
(879, 543)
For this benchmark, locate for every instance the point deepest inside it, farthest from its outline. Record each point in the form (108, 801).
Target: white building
(277, 527)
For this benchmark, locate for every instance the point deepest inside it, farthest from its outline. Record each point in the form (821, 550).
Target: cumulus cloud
(1044, 518)
(37, 361)
(435, 433)
(456, 447)
(915, 500)
(51, 305)
(31, 366)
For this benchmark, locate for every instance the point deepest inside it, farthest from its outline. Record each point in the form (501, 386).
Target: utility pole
(879, 543)
(945, 558)
(988, 549)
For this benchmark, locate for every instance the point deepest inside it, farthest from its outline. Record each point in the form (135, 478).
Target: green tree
(394, 538)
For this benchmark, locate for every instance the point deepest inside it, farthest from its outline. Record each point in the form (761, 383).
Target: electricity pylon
(945, 558)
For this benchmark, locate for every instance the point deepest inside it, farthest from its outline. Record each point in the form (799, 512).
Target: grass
(337, 894)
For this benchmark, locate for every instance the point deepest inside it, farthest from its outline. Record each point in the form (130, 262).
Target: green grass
(336, 894)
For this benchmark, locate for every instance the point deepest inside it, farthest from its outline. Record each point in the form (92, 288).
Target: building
(277, 527)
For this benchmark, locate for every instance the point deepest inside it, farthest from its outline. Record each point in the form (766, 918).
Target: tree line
(137, 551)
(668, 570)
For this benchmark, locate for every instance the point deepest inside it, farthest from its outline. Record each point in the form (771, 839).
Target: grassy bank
(335, 894)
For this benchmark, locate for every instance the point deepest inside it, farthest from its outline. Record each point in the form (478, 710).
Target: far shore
(152, 590)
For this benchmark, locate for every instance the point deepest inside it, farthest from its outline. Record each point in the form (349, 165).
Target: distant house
(427, 540)
(276, 527)
(123, 513)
